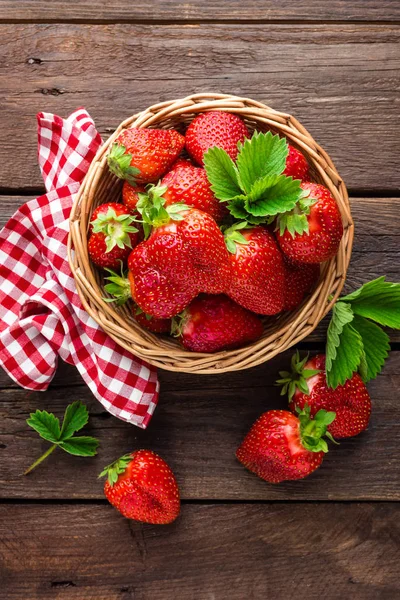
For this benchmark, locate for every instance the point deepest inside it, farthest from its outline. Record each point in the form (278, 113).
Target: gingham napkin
(41, 316)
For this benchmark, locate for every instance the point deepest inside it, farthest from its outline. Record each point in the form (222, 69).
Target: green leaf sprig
(48, 427)
(254, 188)
(355, 340)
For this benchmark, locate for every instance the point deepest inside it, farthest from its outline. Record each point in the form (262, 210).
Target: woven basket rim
(280, 333)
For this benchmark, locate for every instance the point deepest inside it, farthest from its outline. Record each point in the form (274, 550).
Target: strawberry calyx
(233, 236)
(115, 469)
(119, 287)
(312, 431)
(178, 323)
(295, 220)
(119, 163)
(297, 377)
(151, 206)
(116, 229)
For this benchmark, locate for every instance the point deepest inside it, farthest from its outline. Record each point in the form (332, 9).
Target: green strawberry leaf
(376, 347)
(48, 427)
(222, 174)
(76, 416)
(342, 316)
(272, 195)
(80, 446)
(378, 300)
(344, 360)
(261, 156)
(46, 424)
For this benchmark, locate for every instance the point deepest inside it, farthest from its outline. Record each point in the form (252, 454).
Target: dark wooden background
(335, 66)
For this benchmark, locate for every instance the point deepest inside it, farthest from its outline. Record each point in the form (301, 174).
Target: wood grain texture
(197, 427)
(340, 81)
(175, 10)
(376, 246)
(303, 551)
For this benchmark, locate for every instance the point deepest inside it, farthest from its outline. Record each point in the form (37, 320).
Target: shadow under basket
(280, 332)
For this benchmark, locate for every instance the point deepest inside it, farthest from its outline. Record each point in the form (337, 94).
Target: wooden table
(335, 66)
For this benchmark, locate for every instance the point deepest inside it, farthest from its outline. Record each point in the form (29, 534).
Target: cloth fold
(41, 316)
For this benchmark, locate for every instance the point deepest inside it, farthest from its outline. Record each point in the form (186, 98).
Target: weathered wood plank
(376, 248)
(339, 80)
(197, 427)
(275, 551)
(176, 10)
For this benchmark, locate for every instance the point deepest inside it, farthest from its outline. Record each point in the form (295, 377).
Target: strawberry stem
(41, 459)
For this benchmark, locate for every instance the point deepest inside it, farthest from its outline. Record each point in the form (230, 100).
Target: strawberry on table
(300, 279)
(282, 447)
(142, 487)
(306, 384)
(112, 235)
(215, 128)
(144, 155)
(258, 272)
(213, 323)
(312, 231)
(296, 165)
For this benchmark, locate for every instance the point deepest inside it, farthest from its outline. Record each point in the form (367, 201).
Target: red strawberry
(318, 218)
(130, 195)
(215, 128)
(258, 273)
(189, 184)
(296, 165)
(300, 278)
(144, 155)
(306, 384)
(282, 447)
(142, 487)
(213, 323)
(152, 324)
(181, 258)
(112, 235)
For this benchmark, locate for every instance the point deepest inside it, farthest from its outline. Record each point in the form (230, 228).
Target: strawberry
(130, 195)
(112, 235)
(213, 323)
(311, 232)
(282, 447)
(300, 278)
(306, 384)
(215, 128)
(142, 487)
(184, 255)
(144, 155)
(258, 273)
(152, 324)
(296, 165)
(180, 259)
(189, 184)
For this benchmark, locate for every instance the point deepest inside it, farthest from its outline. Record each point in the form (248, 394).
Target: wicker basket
(280, 332)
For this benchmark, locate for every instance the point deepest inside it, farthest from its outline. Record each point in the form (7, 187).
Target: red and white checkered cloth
(40, 311)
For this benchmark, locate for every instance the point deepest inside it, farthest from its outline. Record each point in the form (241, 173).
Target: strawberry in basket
(213, 323)
(144, 155)
(184, 183)
(112, 235)
(258, 272)
(184, 254)
(215, 128)
(312, 231)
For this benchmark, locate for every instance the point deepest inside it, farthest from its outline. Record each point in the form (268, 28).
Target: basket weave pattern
(280, 332)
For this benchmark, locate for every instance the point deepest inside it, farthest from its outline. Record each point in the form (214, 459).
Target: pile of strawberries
(214, 241)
